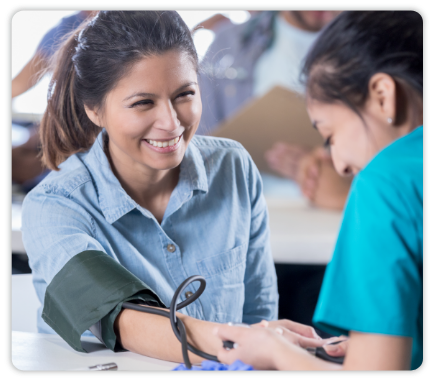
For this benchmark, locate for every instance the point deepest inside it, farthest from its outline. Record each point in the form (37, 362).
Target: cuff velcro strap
(91, 287)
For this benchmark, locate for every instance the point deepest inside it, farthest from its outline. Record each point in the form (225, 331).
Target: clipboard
(279, 115)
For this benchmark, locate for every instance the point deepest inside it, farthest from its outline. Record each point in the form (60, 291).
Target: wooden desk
(37, 351)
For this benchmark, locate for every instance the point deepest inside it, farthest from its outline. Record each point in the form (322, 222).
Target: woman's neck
(148, 187)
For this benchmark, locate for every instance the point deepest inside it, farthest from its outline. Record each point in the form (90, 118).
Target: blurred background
(24, 46)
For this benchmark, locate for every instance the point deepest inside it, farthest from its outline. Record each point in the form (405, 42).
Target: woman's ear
(93, 116)
(382, 97)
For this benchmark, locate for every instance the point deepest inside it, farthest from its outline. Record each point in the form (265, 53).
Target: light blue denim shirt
(216, 219)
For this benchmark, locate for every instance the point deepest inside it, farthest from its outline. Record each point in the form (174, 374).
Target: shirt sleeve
(261, 295)
(373, 283)
(84, 287)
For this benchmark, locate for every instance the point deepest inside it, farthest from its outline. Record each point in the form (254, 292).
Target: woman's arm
(286, 351)
(29, 75)
(152, 335)
(368, 351)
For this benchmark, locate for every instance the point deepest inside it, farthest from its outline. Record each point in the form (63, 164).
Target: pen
(108, 366)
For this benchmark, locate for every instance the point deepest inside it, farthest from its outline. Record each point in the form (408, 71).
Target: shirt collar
(113, 199)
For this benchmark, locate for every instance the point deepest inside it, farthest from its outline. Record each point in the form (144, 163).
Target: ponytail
(65, 128)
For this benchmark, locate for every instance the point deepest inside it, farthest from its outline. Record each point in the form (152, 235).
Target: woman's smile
(164, 145)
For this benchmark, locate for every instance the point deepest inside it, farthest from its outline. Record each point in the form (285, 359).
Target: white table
(16, 239)
(299, 233)
(37, 351)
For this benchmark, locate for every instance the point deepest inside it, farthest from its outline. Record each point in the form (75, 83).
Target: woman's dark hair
(357, 45)
(91, 62)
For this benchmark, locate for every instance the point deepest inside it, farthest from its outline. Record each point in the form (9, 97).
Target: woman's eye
(327, 142)
(186, 93)
(143, 102)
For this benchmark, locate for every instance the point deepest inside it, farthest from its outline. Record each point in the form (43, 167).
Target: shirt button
(171, 248)
(188, 294)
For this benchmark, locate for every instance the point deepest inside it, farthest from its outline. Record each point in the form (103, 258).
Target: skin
(352, 146)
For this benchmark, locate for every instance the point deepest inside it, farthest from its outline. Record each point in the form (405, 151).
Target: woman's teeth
(165, 143)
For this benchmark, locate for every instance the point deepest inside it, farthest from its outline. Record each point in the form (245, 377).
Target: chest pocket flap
(223, 262)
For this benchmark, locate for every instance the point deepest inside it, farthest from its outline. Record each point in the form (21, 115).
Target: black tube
(176, 324)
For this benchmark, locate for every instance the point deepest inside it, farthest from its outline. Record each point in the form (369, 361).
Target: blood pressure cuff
(87, 293)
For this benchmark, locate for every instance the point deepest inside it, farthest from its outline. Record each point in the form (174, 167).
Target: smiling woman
(136, 203)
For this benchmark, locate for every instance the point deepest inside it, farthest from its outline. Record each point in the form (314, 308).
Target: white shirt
(281, 63)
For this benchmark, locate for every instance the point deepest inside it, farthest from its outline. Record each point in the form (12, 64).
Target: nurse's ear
(93, 115)
(381, 103)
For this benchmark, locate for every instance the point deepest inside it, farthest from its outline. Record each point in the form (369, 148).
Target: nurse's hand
(306, 331)
(255, 346)
(266, 348)
(337, 350)
(300, 329)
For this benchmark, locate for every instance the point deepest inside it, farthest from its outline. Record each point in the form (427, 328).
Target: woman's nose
(167, 117)
(341, 167)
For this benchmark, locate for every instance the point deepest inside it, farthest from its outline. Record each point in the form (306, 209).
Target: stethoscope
(180, 330)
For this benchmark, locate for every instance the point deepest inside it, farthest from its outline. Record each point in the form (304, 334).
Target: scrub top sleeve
(261, 295)
(83, 285)
(373, 283)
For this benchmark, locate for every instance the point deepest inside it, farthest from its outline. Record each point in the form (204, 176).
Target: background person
(27, 168)
(246, 61)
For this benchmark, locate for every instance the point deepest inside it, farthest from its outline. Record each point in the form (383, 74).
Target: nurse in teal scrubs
(364, 95)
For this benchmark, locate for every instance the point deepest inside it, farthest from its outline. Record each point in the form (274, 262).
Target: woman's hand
(319, 181)
(267, 348)
(284, 159)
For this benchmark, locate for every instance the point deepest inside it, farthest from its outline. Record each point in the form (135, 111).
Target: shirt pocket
(223, 263)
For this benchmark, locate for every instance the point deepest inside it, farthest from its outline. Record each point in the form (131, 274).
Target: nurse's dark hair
(355, 46)
(90, 63)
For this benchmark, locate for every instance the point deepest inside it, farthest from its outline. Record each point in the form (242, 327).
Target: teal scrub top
(374, 282)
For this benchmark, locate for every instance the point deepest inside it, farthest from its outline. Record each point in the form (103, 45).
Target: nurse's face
(153, 112)
(352, 143)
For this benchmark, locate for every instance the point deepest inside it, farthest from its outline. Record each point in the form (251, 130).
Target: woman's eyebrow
(186, 85)
(144, 95)
(314, 124)
(151, 95)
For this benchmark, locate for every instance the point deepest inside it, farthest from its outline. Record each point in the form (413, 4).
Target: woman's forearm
(152, 335)
(297, 358)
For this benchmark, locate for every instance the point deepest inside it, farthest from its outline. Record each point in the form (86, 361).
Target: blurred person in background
(246, 61)
(27, 168)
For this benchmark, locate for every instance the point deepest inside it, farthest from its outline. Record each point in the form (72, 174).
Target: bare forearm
(29, 75)
(152, 335)
(299, 359)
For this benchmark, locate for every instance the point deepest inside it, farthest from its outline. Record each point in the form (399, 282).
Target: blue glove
(213, 365)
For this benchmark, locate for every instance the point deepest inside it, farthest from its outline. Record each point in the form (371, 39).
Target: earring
(389, 120)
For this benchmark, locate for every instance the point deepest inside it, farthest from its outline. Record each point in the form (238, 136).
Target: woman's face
(153, 112)
(352, 143)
